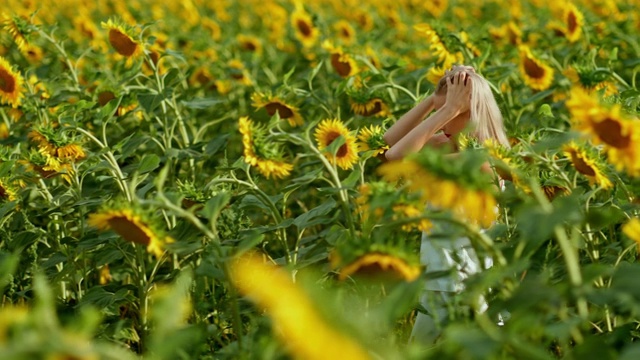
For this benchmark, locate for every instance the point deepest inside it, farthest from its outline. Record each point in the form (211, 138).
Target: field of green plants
(206, 179)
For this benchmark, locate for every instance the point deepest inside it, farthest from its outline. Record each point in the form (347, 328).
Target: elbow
(392, 155)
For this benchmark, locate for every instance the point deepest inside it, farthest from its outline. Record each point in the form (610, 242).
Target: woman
(463, 102)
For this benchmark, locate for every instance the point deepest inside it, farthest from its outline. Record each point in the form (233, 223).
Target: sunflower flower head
(19, 28)
(341, 62)
(292, 312)
(365, 102)
(380, 265)
(445, 58)
(459, 187)
(536, 74)
(122, 40)
(7, 191)
(132, 226)
(607, 126)
(275, 105)
(11, 84)
(304, 29)
(261, 152)
(632, 229)
(371, 138)
(346, 155)
(249, 43)
(571, 24)
(587, 164)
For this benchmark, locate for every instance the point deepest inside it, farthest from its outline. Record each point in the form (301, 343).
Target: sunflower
(249, 43)
(341, 62)
(607, 126)
(292, 311)
(303, 27)
(409, 211)
(329, 130)
(131, 227)
(373, 107)
(376, 264)
(445, 58)
(18, 28)
(586, 165)
(466, 201)
(632, 229)
(510, 32)
(122, 41)
(71, 152)
(7, 192)
(11, 84)
(213, 28)
(273, 104)
(537, 75)
(261, 153)
(553, 191)
(345, 32)
(574, 20)
(371, 138)
(238, 72)
(57, 147)
(436, 7)
(4, 131)
(105, 275)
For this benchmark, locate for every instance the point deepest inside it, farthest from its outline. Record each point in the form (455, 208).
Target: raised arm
(418, 137)
(457, 103)
(408, 121)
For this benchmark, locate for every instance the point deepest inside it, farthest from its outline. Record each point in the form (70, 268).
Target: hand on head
(459, 88)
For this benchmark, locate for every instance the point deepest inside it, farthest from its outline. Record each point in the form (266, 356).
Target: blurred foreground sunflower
(297, 322)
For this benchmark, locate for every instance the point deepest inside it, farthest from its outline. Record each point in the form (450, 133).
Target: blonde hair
(485, 115)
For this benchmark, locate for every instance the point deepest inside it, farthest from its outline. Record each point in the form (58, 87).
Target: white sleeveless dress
(443, 251)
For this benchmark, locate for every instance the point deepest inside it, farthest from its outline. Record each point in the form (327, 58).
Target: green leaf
(149, 102)
(316, 215)
(148, 163)
(203, 103)
(214, 206)
(108, 109)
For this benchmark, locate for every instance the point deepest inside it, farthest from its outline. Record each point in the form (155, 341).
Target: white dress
(443, 251)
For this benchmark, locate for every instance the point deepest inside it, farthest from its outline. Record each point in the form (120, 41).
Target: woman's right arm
(408, 121)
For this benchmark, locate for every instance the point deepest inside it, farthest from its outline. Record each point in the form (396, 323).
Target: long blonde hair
(485, 115)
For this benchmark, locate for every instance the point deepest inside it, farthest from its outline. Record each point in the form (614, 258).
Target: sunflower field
(206, 179)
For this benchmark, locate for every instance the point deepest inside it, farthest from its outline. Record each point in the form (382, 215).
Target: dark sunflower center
(342, 151)
(377, 107)
(342, 68)
(345, 33)
(3, 192)
(104, 97)
(128, 230)
(610, 132)
(283, 111)
(533, 69)
(202, 78)
(304, 27)
(7, 81)
(572, 22)
(582, 166)
(249, 45)
(123, 44)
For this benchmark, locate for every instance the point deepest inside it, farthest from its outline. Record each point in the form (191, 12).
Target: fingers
(461, 77)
